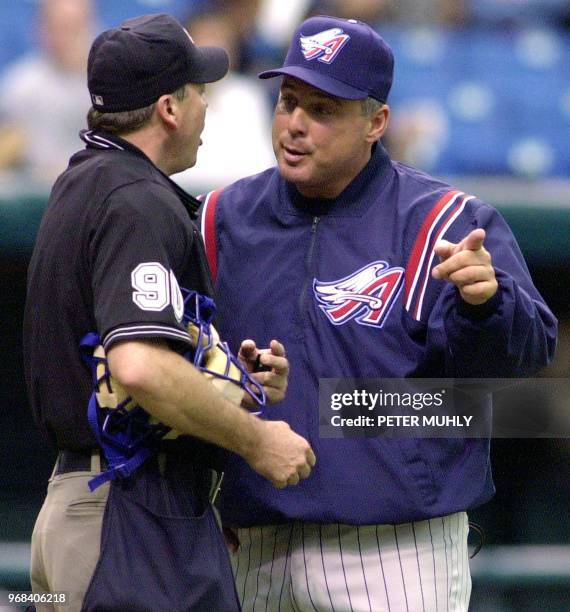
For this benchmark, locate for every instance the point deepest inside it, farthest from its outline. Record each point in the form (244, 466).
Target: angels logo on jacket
(324, 45)
(367, 295)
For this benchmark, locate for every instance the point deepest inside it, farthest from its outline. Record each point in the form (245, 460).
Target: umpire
(116, 246)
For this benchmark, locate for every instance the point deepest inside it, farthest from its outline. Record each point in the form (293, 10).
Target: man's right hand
(175, 393)
(281, 455)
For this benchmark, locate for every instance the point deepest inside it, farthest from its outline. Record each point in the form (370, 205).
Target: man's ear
(378, 124)
(167, 110)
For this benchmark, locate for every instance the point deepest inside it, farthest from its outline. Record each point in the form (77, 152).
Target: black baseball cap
(132, 66)
(345, 58)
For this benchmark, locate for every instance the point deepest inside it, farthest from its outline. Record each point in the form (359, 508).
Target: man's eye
(288, 102)
(322, 109)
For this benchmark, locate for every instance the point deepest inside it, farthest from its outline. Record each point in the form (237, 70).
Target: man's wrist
(479, 312)
(247, 434)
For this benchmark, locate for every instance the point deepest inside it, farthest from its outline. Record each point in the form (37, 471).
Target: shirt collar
(98, 139)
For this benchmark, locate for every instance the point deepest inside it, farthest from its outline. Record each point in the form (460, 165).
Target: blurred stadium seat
(501, 100)
(113, 12)
(516, 12)
(16, 21)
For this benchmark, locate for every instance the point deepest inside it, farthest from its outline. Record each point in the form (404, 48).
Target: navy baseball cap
(132, 66)
(345, 58)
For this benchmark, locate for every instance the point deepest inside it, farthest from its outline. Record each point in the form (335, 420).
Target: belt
(81, 461)
(75, 461)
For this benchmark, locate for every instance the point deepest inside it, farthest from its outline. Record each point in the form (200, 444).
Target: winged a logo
(324, 45)
(367, 295)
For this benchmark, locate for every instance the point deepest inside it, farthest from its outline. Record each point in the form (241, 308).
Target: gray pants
(66, 537)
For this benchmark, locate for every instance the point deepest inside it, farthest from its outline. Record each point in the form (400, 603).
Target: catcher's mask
(209, 352)
(127, 433)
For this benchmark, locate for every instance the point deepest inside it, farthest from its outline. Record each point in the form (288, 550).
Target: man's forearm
(173, 391)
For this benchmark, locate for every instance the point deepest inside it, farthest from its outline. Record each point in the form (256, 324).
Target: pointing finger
(474, 241)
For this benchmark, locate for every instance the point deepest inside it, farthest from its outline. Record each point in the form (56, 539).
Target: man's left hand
(275, 374)
(468, 266)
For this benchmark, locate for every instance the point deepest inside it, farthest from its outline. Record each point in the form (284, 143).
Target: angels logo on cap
(354, 61)
(324, 45)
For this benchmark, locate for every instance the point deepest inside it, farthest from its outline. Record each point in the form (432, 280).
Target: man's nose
(298, 121)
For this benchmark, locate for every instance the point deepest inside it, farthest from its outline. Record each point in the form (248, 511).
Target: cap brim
(214, 65)
(327, 84)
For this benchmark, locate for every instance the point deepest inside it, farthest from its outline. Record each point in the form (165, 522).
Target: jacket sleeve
(514, 333)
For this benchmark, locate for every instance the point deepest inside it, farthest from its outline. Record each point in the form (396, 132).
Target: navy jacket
(345, 284)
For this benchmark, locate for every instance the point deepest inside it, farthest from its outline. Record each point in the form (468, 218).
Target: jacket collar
(98, 139)
(353, 201)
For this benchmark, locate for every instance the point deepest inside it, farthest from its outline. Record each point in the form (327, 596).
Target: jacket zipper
(308, 262)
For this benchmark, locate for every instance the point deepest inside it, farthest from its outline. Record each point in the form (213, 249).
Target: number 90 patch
(155, 288)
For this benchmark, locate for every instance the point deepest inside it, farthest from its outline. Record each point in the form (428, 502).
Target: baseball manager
(366, 268)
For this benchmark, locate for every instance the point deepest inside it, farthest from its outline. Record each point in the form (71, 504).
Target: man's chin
(293, 174)
(191, 163)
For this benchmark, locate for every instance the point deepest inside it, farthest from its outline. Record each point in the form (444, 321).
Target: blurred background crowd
(481, 97)
(481, 87)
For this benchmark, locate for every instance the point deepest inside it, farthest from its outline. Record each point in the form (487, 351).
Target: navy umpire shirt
(111, 212)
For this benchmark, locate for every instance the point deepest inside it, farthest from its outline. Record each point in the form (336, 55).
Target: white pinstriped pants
(413, 567)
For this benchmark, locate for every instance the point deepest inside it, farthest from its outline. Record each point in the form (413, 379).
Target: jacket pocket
(417, 465)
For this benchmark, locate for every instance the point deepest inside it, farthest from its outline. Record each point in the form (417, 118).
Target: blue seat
(505, 97)
(16, 30)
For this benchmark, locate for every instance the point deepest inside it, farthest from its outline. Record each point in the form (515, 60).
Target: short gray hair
(370, 106)
(125, 122)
